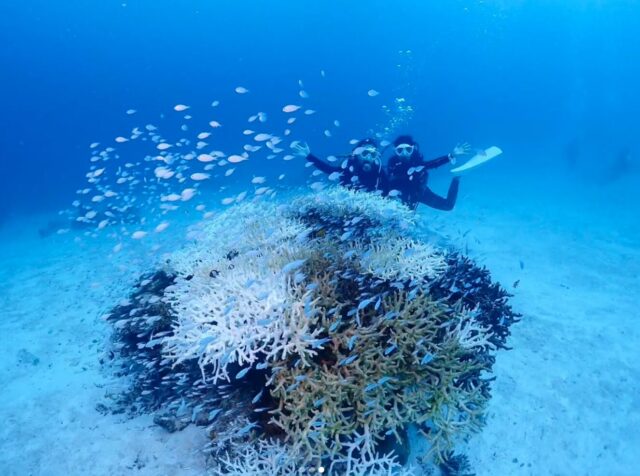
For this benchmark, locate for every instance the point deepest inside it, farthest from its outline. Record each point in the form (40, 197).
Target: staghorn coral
(269, 457)
(315, 337)
(471, 286)
(403, 258)
(395, 367)
(352, 214)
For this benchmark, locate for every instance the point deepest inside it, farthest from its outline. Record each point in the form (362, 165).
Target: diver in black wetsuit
(360, 170)
(408, 174)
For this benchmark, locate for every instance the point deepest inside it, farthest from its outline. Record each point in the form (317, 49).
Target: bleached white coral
(470, 333)
(245, 306)
(392, 258)
(260, 458)
(272, 458)
(339, 202)
(244, 227)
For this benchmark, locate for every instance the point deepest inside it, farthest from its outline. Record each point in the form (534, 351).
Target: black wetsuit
(353, 174)
(409, 176)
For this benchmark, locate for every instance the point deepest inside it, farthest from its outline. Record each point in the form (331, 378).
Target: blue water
(532, 76)
(554, 84)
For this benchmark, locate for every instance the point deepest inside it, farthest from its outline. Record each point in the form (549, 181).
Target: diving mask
(405, 150)
(368, 154)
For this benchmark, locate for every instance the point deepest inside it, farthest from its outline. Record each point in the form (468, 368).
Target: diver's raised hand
(462, 148)
(301, 149)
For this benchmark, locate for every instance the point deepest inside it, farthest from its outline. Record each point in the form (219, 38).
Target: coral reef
(313, 334)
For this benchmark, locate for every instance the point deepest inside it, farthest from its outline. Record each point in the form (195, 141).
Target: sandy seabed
(566, 400)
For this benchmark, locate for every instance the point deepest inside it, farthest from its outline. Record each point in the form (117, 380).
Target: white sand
(566, 401)
(567, 397)
(53, 293)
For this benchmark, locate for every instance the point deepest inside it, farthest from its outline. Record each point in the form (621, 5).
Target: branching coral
(403, 258)
(353, 214)
(318, 336)
(400, 365)
(269, 457)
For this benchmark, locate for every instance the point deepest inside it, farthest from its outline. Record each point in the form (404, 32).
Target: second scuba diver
(407, 173)
(360, 170)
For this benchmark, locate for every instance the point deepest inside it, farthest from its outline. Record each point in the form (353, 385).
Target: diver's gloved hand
(300, 149)
(459, 150)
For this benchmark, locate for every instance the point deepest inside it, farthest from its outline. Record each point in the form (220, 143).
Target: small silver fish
(257, 397)
(242, 373)
(319, 402)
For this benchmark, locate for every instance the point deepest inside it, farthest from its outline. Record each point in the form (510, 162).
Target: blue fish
(242, 373)
(308, 310)
(352, 341)
(246, 429)
(364, 303)
(292, 387)
(426, 359)
(390, 349)
(294, 265)
(318, 423)
(319, 402)
(214, 413)
(391, 315)
(261, 366)
(257, 397)
(370, 387)
(347, 360)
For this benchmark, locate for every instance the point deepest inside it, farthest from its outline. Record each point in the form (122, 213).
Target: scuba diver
(408, 174)
(361, 169)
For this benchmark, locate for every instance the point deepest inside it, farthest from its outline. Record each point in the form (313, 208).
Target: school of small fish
(134, 195)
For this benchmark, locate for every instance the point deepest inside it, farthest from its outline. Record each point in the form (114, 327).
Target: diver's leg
(440, 203)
